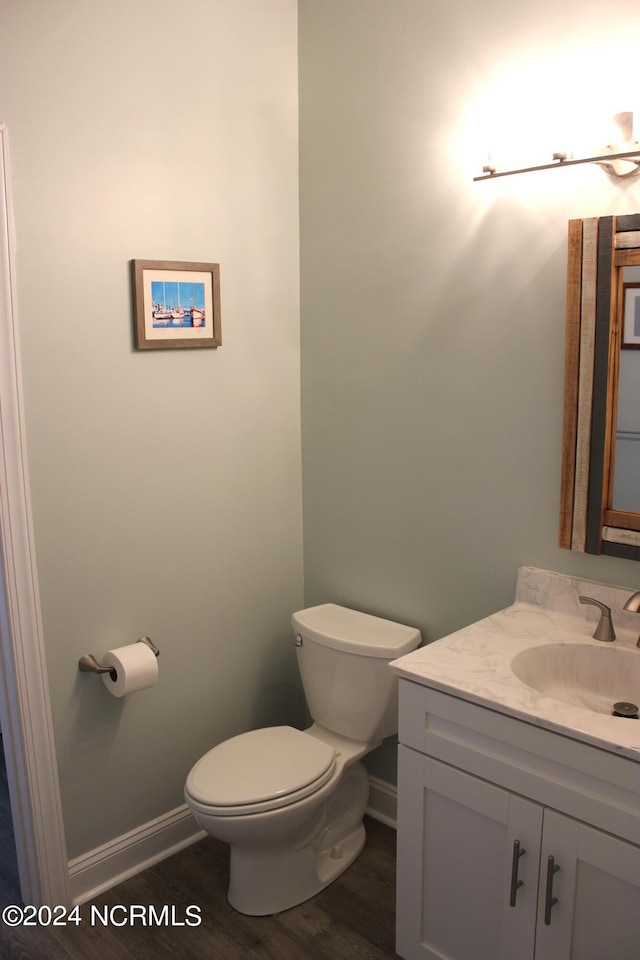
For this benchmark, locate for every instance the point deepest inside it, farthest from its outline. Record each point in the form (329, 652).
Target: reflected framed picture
(631, 317)
(176, 305)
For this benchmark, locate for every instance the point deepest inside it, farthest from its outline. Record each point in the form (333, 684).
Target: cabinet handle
(550, 900)
(515, 883)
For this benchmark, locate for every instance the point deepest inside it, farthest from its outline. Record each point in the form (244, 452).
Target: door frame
(25, 710)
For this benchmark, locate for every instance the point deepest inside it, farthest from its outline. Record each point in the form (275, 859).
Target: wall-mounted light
(620, 158)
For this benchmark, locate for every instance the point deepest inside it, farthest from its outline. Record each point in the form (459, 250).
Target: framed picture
(176, 304)
(631, 317)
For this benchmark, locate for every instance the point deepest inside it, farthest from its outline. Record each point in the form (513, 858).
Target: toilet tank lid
(360, 633)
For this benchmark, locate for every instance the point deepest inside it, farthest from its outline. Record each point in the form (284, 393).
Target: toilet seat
(259, 771)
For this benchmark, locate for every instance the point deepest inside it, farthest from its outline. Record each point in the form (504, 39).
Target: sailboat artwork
(178, 304)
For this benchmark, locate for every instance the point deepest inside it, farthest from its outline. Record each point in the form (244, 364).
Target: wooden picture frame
(631, 317)
(176, 304)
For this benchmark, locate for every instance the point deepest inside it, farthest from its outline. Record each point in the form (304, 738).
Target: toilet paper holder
(89, 664)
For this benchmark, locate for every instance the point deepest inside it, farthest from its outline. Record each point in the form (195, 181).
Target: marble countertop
(475, 663)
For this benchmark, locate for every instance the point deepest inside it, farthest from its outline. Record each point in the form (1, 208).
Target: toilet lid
(259, 766)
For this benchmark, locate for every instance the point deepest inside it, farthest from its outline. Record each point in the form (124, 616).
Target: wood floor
(9, 881)
(352, 919)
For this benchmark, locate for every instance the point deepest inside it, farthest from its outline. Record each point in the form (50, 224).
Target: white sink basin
(589, 676)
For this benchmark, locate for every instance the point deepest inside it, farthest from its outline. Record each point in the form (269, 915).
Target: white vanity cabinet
(514, 843)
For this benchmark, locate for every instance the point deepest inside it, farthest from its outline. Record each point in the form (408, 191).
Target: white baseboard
(383, 802)
(113, 862)
(103, 868)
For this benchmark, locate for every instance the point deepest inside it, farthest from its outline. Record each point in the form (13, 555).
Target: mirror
(626, 478)
(600, 497)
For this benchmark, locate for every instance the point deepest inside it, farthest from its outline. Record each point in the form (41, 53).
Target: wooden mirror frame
(599, 249)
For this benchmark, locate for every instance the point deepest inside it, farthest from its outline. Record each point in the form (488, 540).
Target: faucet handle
(604, 631)
(633, 603)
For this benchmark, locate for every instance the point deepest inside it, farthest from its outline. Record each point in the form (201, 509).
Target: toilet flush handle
(298, 640)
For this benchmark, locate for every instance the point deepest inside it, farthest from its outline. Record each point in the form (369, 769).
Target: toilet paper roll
(135, 666)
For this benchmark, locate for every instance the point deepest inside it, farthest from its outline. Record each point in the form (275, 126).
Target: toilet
(290, 803)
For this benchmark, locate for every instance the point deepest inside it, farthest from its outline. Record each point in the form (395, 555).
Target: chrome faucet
(633, 605)
(604, 631)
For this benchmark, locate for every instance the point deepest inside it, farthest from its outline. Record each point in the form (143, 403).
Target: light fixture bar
(559, 162)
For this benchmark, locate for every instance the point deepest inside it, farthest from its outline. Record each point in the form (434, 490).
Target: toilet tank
(343, 657)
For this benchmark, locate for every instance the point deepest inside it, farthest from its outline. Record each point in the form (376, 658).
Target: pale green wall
(166, 484)
(433, 307)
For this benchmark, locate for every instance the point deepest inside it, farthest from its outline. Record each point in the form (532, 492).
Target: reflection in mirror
(600, 501)
(626, 480)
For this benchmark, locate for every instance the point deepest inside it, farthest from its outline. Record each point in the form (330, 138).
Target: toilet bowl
(288, 839)
(290, 803)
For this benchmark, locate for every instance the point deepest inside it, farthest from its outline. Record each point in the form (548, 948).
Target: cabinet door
(456, 838)
(597, 892)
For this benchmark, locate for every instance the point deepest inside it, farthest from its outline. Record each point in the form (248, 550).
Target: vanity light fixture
(620, 159)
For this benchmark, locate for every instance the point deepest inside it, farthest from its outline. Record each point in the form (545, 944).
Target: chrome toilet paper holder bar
(89, 664)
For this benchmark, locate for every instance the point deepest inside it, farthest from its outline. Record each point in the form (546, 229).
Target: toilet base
(269, 878)
(259, 887)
